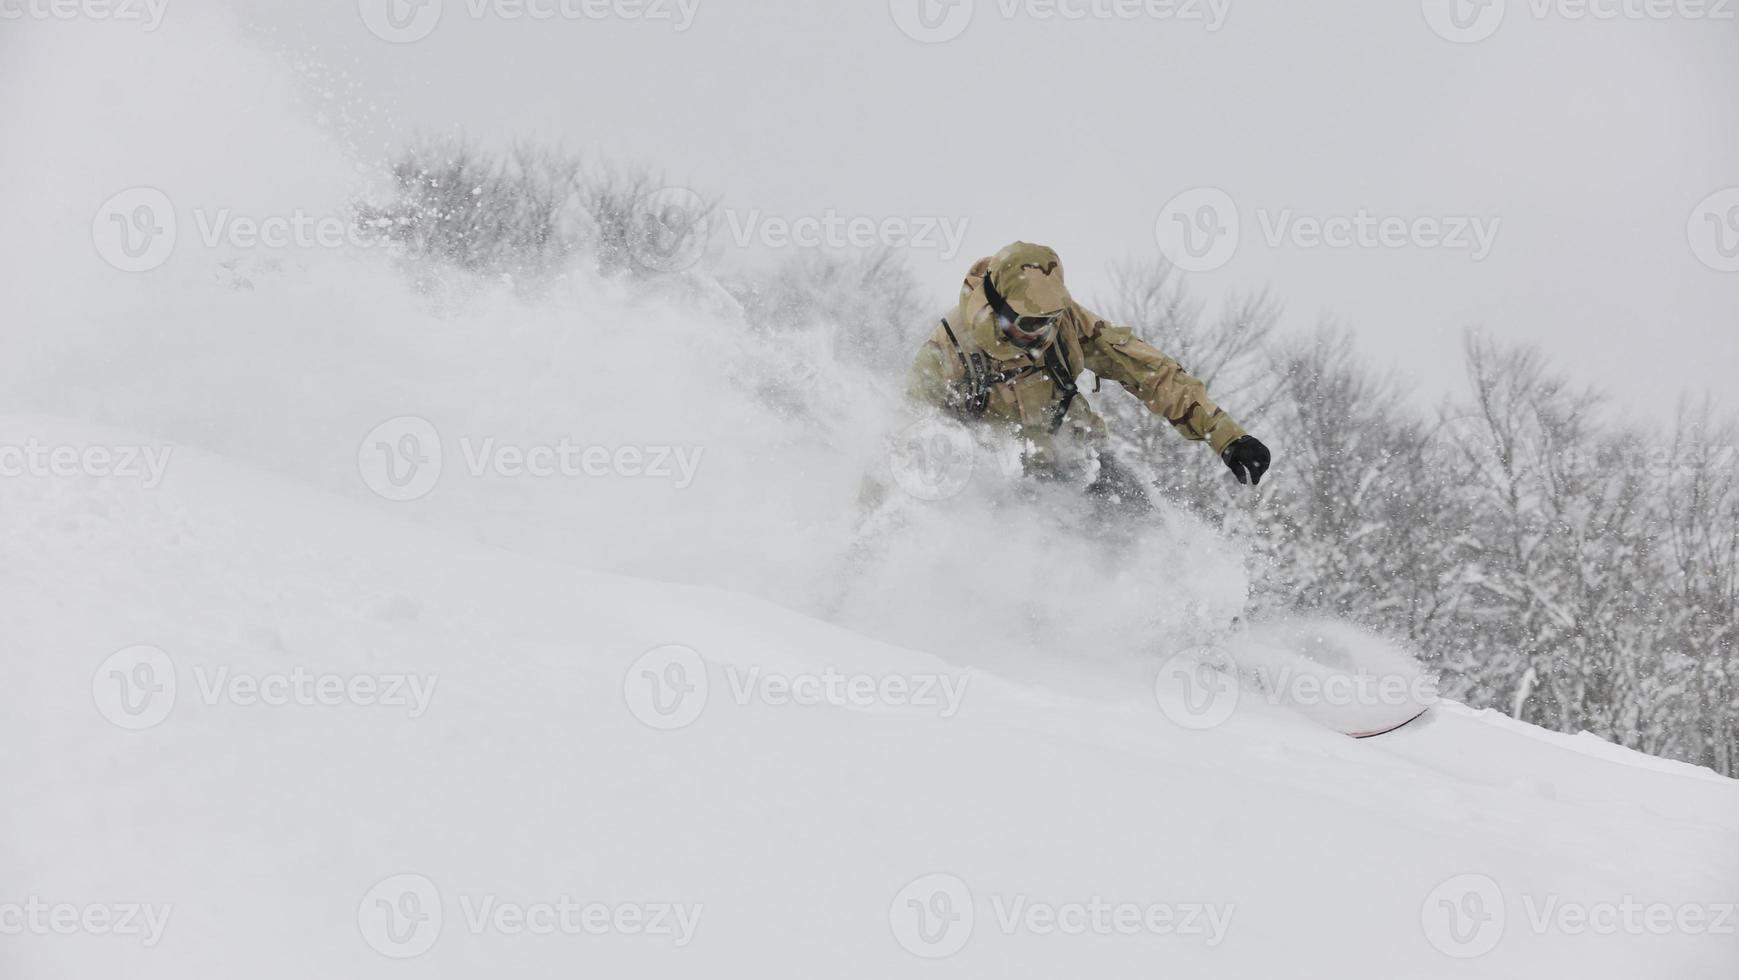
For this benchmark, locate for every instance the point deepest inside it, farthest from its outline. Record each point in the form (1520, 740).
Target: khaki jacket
(970, 368)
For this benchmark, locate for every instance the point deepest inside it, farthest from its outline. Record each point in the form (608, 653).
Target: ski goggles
(1036, 326)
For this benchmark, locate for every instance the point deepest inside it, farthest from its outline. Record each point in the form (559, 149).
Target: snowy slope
(983, 763)
(299, 840)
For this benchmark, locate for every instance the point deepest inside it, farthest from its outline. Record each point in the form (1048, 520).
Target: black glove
(1248, 459)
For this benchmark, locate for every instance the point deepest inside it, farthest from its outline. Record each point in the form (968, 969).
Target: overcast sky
(1563, 161)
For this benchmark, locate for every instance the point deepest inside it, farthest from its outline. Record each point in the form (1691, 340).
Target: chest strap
(1065, 381)
(973, 394)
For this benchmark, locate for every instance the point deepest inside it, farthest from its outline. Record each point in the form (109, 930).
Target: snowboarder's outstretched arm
(1161, 383)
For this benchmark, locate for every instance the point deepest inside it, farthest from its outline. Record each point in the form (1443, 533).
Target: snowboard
(1335, 674)
(1373, 733)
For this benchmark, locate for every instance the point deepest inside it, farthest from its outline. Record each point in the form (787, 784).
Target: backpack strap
(977, 379)
(1058, 366)
(974, 392)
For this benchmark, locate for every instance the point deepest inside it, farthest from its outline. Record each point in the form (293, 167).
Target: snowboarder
(1009, 354)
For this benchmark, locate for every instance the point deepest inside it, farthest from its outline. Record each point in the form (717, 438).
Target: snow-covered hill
(474, 763)
(274, 708)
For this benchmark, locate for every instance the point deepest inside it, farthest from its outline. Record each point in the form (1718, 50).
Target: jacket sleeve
(1161, 383)
(928, 383)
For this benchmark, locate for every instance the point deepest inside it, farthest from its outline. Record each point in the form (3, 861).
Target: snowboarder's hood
(1030, 278)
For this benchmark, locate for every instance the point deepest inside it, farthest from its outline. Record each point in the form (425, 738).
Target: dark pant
(1117, 491)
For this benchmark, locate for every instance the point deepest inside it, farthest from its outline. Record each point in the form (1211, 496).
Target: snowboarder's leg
(1117, 490)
